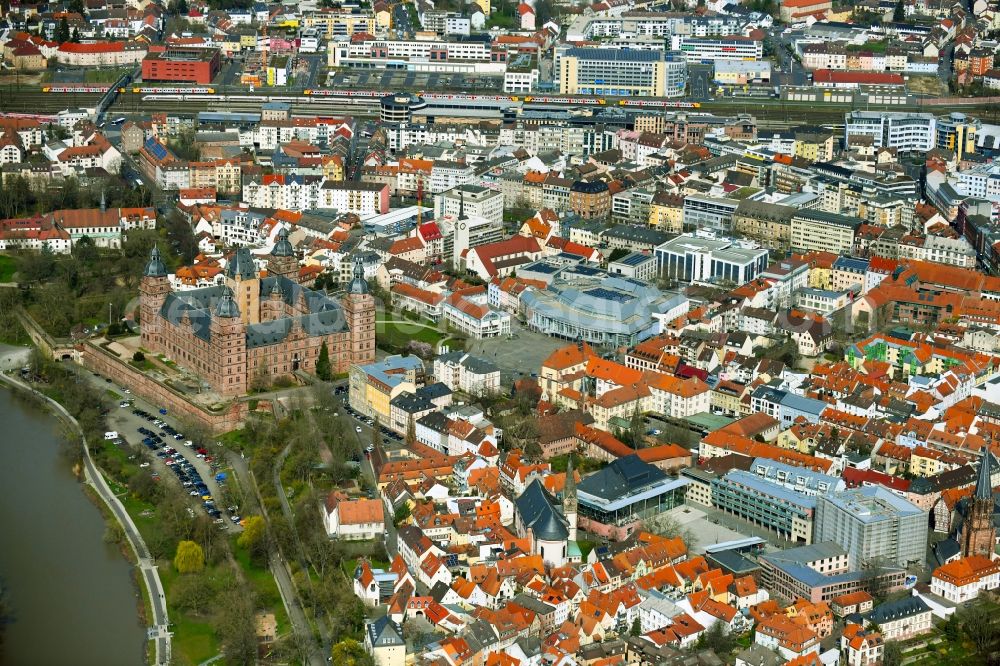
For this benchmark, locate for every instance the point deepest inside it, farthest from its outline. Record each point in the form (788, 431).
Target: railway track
(770, 113)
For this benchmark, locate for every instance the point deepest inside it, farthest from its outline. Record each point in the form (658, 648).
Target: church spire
(984, 485)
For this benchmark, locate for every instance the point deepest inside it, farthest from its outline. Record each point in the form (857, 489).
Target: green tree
(180, 236)
(719, 639)
(84, 250)
(636, 427)
(636, 627)
(254, 537)
(980, 624)
(892, 654)
(62, 30)
(323, 370)
(189, 557)
(401, 514)
(349, 652)
(411, 431)
(899, 13)
(191, 593)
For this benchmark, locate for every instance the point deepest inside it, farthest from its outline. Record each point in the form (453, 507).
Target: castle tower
(243, 279)
(979, 535)
(359, 308)
(274, 307)
(569, 499)
(229, 367)
(153, 290)
(282, 259)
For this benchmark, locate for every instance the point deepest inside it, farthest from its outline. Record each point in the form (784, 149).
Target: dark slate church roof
(538, 512)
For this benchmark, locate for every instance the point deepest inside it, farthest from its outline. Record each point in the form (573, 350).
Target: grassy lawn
(350, 565)
(194, 640)
(398, 335)
(263, 582)
(103, 75)
(7, 268)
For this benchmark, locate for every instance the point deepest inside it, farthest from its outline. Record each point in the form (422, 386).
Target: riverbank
(146, 571)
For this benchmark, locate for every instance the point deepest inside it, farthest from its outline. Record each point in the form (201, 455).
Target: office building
(768, 504)
(709, 213)
(470, 200)
(822, 231)
(182, 66)
(691, 258)
(709, 50)
(874, 525)
(621, 72)
(636, 265)
(957, 132)
(742, 72)
(906, 132)
(821, 572)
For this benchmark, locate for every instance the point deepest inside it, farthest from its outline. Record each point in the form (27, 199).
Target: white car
(357, 428)
(111, 434)
(143, 464)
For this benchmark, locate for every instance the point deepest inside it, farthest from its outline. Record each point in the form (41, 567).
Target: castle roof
(155, 267)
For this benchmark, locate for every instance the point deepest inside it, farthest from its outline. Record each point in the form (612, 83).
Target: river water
(71, 595)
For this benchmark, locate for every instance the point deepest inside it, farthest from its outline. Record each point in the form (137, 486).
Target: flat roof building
(820, 572)
(621, 72)
(182, 66)
(822, 231)
(691, 258)
(873, 524)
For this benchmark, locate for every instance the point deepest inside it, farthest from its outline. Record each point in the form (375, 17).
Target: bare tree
(667, 526)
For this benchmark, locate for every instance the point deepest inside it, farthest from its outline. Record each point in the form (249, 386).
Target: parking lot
(396, 80)
(168, 456)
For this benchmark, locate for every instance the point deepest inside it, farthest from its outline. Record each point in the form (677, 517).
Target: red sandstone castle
(255, 327)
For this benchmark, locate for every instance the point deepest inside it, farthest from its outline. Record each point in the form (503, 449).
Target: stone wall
(107, 364)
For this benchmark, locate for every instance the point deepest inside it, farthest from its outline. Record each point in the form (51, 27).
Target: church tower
(359, 308)
(153, 290)
(282, 259)
(979, 534)
(229, 347)
(569, 500)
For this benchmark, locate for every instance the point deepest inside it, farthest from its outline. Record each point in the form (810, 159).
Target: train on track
(179, 93)
(171, 90)
(76, 88)
(657, 103)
